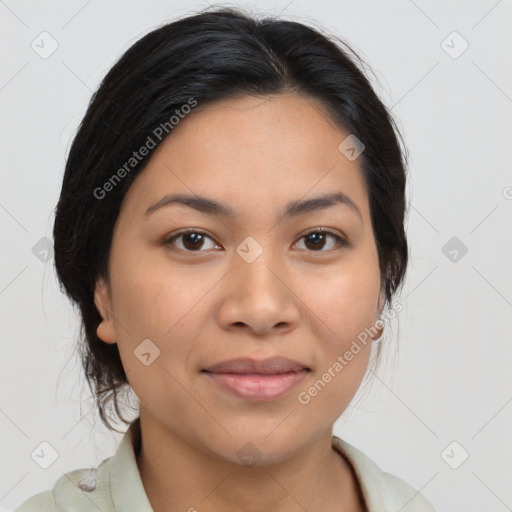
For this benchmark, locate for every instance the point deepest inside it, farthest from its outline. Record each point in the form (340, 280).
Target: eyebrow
(292, 209)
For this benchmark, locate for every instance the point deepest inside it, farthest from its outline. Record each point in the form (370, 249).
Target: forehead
(252, 151)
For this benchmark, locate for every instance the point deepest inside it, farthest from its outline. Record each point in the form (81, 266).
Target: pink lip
(258, 380)
(272, 365)
(257, 386)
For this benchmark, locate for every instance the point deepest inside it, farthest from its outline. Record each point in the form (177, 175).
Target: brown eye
(317, 240)
(193, 240)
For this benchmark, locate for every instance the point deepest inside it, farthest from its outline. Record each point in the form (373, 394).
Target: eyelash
(341, 241)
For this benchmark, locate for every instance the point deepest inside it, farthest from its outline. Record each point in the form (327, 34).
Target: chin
(256, 448)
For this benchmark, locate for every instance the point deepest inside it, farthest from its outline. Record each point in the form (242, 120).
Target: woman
(231, 225)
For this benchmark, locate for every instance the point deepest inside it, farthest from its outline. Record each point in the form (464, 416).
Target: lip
(255, 380)
(270, 366)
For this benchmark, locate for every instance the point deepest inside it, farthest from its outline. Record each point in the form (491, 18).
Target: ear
(378, 323)
(106, 329)
(380, 305)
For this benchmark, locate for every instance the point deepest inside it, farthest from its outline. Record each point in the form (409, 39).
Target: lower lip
(258, 386)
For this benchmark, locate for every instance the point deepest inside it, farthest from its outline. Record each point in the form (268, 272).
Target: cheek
(151, 294)
(347, 301)
(346, 304)
(148, 308)
(157, 302)
(347, 309)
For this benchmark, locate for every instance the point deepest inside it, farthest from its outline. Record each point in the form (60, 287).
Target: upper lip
(273, 365)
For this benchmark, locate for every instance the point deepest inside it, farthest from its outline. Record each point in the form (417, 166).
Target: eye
(315, 239)
(193, 240)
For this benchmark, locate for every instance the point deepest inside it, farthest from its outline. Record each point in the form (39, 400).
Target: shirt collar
(129, 495)
(127, 489)
(371, 479)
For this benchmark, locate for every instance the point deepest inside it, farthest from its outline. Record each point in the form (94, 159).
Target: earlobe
(106, 329)
(380, 330)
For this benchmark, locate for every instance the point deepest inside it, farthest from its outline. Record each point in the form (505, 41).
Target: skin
(203, 304)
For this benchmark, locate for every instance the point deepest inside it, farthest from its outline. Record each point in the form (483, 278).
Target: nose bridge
(256, 264)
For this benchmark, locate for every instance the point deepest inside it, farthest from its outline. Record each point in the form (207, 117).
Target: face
(253, 279)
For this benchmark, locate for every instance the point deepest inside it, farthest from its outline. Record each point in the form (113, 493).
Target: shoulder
(115, 480)
(411, 500)
(73, 491)
(42, 502)
(381, 491)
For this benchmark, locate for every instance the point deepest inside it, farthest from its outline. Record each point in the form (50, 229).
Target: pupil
(316, 238)
(194, 237)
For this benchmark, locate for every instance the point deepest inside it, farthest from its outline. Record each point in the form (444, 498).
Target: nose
(259, 297)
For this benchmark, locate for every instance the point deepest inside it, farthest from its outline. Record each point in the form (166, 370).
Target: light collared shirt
(116, 486)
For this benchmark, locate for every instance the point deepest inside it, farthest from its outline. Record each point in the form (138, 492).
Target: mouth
(257, 380)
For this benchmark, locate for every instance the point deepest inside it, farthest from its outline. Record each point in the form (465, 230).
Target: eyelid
(320, 229)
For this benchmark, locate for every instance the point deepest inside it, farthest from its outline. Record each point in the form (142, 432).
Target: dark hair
(209, 56)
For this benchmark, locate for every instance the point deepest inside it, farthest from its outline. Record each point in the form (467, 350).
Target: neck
(179, 476)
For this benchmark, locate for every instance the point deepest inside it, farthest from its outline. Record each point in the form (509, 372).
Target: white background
(452, 379)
